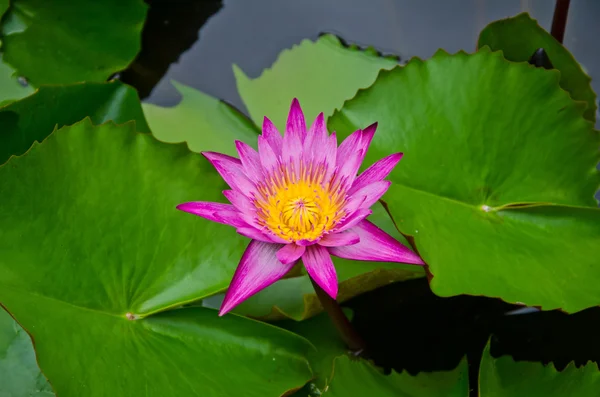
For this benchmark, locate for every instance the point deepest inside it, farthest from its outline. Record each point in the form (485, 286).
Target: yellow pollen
(303, 208)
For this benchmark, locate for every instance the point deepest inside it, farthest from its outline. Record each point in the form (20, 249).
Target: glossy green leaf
(113, 192)
(321, 74)
(496, 157)
(295, 298)
(10, 88)
(3, 7)
(35, 117)
(520, 36)
(19, 372)
(205, 123)
(338, 374)
(321, 332)
(92, 245)
(504, 377)
(72, 41)
(354, 378)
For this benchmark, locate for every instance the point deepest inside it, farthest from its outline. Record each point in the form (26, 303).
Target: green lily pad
(497, 159)
(504, 377)
(321, 332)
(10, 88)
(19, 372)
(339, 374)
(520, 36)
(3, 7)
(205, 123)
(295, 297)
(92, 246)
(321, 74)
(354, 378)
(71, 42)
(35, 117)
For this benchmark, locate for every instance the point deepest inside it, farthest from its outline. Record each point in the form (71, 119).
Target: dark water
(252, 33)
(195, 42)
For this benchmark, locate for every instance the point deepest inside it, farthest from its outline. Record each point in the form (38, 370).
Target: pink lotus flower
(299, 197)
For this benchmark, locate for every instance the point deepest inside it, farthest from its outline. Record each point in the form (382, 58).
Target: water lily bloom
(299, 197)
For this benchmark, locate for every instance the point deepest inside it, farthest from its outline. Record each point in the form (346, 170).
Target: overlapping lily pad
(19, 372)
(92, 246)
(320, 331)
(35, 117)
(359, 378)
(520, 36)
(339, 374)
(71, 42)
(10, 88)
(504, 377)
(498, 178)
(3, 6)
(321, 74)
(205, 123)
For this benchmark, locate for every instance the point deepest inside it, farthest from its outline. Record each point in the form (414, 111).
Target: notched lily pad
(11, 89)
(35, 117)
(205, 123)
(72, 41)
(521, 36)
(504, 377)
(498, 177)
(359, 378)
(321, 74)
(89, 215)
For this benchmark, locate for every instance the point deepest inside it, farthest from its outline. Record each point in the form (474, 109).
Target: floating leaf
(19, 372)
(504, 377)
(328, 344)
(321, 74)
(35, 117)
(89, 217)
(359, 378)
(3, 7)
(338, 374)
(295, 297)
(520, 36)
(497, 156)
(10, 88)
(205, 123)
(71, 42)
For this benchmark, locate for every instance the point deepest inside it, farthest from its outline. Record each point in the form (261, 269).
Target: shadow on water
(171, 28)
(408, 328)
(252, 33)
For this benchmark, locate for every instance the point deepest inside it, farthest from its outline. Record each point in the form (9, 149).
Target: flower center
(301, 213)
(298, 208)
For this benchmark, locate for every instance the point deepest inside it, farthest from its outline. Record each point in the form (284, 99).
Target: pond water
(252, 33)
(196, 43)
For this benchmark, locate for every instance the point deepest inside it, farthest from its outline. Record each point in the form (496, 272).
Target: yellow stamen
(299, 206)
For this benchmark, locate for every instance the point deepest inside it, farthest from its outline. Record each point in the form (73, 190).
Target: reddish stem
(347, 332)
(559, 21)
